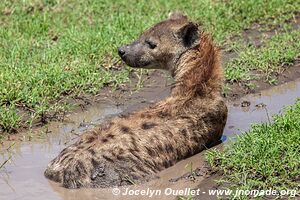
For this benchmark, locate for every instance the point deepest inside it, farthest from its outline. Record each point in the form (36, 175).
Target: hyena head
(160, 46)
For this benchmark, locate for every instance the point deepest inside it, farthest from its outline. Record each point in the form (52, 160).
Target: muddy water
(22, 176)
(260, 107)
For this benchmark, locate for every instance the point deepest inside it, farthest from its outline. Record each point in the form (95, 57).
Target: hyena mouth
(137, 64)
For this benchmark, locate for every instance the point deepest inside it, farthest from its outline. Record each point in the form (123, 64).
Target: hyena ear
(177, 15)
(189, 34)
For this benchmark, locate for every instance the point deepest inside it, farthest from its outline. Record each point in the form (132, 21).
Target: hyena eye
(151, 44)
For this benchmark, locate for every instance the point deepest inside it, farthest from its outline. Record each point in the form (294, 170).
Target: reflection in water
(22, 176)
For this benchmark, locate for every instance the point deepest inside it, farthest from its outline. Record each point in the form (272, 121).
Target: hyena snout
(127, 53)
(130, 51)
(122, 51)
(133, 55)
(139, 54)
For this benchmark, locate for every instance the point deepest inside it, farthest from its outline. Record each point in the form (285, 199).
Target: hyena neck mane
(198, 71)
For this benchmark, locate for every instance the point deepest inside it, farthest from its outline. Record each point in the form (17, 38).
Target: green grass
(281, 50)
(265, 157)
(50, 49)
(9, 118)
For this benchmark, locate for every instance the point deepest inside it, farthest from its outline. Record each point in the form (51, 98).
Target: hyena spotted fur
(135, 147)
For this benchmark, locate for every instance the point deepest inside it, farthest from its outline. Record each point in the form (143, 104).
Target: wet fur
(133, 148)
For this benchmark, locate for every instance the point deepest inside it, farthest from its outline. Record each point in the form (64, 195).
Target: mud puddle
(260, 107)
(22, 175)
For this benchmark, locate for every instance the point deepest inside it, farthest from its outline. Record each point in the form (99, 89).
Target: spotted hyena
(135, 147)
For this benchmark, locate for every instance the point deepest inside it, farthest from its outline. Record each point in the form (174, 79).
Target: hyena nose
(121, 51)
